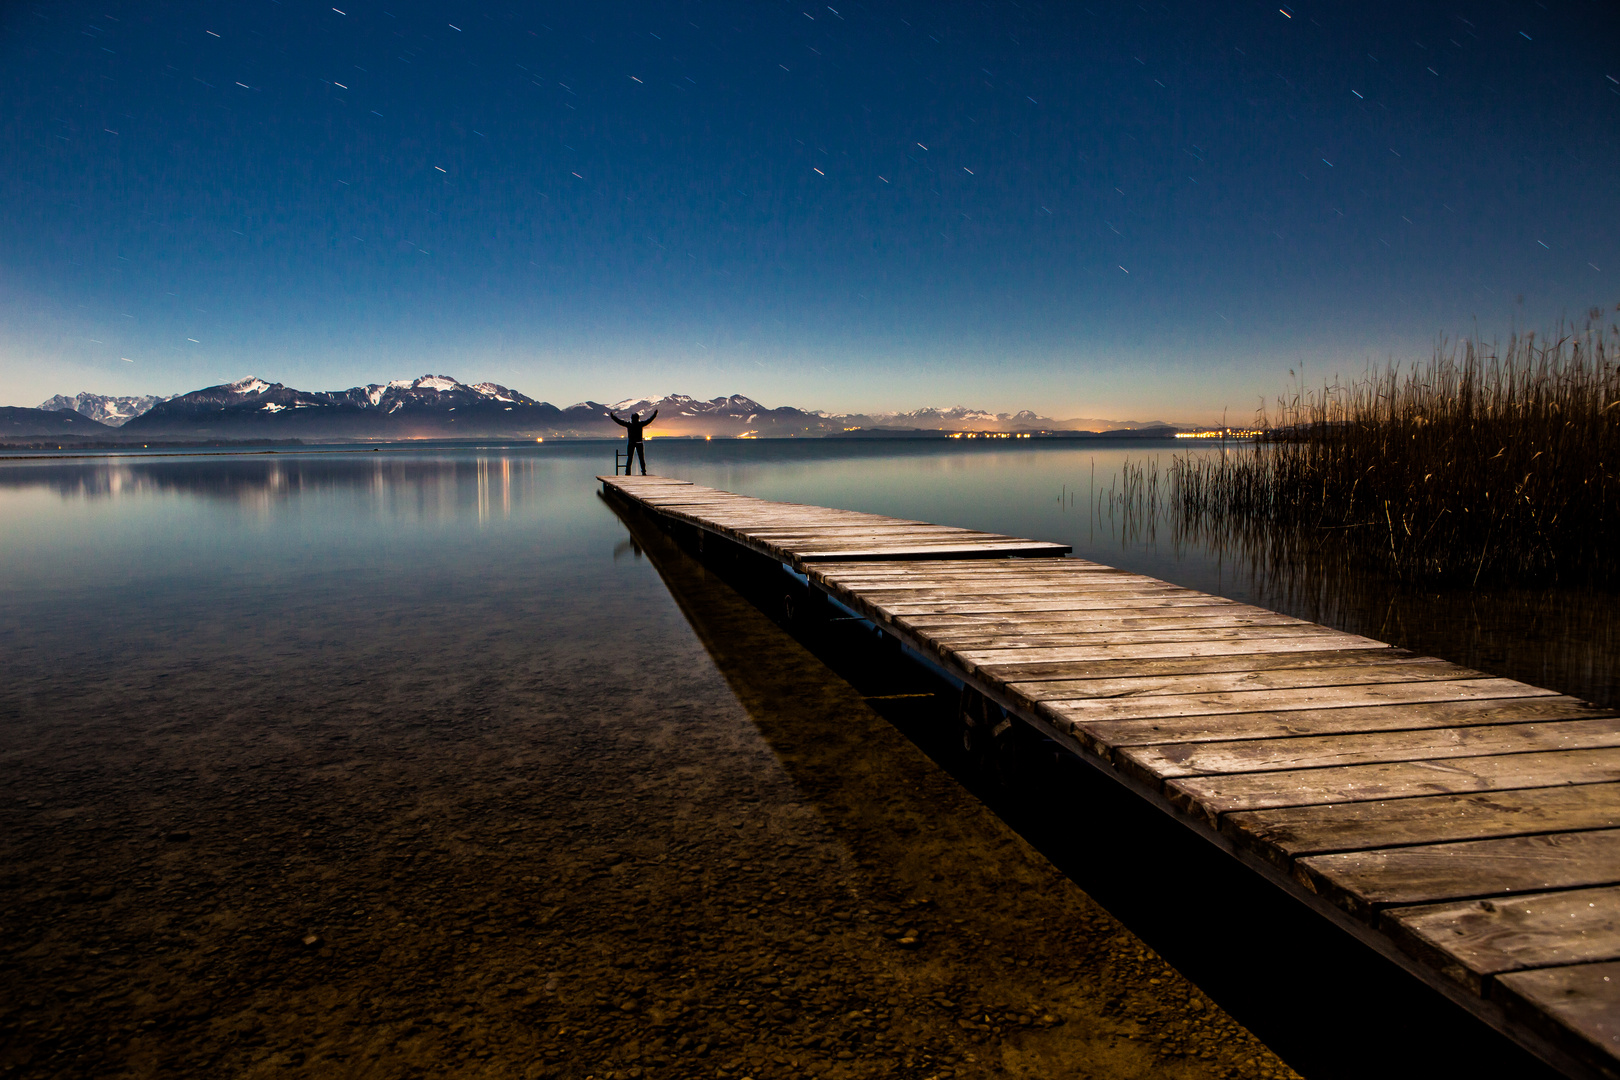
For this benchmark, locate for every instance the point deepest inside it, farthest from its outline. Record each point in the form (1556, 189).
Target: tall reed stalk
(1481, 465)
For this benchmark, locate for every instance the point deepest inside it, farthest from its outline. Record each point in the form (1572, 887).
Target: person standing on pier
(633, 428)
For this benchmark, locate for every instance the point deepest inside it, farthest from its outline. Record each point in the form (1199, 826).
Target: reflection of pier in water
(1427, 809)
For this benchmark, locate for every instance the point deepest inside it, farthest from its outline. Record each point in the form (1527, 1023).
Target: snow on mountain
(431, 406)
(112, 411)
(430, 390)
(962, 418)
(958, 416)
(441, 406)
(635, 404)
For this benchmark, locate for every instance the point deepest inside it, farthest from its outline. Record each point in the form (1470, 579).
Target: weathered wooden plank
(1208, 797)
(1163, 605)
(866, 575)
(1091, 610)
(996, 580)
(1088, 619)
(862, 572)
(898, 551)
(827, 533)
(1361, 882)
(1127, 620)
(970, 633)
(734, 519)
(833, 539)
(1300, 640)
(1030, 576)
(1020, 674)
(741, 509)
(799, 524)
(1472, 941)
(985, 622)
(924, 616)
(738, 508)
(1164, 598)
(1157, 763)
(834, 535)
(1001, 648)
(1120, 636)
(1009, 587)
(1013, 604)
(744, 515)
(972, 600)
(1293, 832)
(1177, 641)
(1167, 606)
(858, 546)
(856, 570)
(752, 515)
(1576, 1007)
(807, 533)
(1227, 727)
(1411, 669)
(1293, 698)
(921, 615)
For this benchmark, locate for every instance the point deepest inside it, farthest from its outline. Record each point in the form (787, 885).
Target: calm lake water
(416, 763)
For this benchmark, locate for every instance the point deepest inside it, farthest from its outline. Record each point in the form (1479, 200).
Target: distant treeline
(1481, 465)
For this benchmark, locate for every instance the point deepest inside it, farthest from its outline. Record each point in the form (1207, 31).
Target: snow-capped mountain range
(112, 411)
(439, 406)
(693, 412)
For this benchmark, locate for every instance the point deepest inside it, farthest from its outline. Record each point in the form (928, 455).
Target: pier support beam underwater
(1465, 826)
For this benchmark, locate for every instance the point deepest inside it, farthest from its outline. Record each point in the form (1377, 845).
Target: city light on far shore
(1222, 433)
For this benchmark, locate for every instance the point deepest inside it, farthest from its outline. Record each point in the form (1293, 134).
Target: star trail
(1125, 210)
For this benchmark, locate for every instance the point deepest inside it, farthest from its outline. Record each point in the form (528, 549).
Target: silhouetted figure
(633, 428)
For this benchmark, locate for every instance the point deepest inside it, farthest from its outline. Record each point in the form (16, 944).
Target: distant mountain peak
(441, 383)
(113, 411)
(439, 405)
(645, 401)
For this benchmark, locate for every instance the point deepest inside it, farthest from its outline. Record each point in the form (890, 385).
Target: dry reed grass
(1479, 466)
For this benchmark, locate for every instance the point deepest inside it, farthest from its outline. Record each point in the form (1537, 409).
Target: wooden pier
(1465, 826)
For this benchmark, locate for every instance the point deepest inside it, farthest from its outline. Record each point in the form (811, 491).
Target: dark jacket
(633, 427)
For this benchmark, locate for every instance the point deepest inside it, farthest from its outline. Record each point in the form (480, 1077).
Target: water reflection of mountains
(256, 479)
(1565, 639)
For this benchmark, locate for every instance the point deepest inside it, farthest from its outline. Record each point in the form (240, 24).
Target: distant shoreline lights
(1222, 433)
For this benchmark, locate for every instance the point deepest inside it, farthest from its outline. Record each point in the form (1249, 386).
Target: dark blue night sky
(1149, 211)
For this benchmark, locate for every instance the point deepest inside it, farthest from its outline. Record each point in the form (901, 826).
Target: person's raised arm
(651, 418)
(615, 418)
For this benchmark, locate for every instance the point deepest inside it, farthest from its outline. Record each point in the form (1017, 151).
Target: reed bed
(1482, 465)
(1134, 502)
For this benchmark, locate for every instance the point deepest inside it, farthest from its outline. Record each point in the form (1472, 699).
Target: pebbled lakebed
(385, 765)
